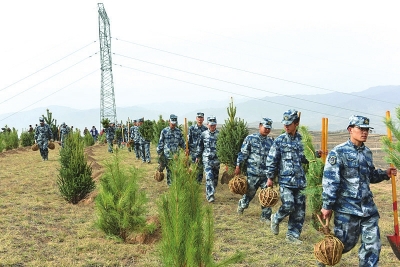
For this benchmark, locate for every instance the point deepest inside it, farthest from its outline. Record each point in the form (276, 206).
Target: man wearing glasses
(348, 172)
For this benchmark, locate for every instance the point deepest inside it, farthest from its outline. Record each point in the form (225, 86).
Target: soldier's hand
(391, 171)
(326, 214)
(237, 170)
(51, 140)
(270, 182)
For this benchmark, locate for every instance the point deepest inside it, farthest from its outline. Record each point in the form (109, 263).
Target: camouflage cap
(173, 118)
(359, 121)
(41, 119)
(212, 120)
(267, 123)
(200, 114)
(289, 116)
(140, 120)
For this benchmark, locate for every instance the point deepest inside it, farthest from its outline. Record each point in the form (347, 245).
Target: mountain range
(337, 107)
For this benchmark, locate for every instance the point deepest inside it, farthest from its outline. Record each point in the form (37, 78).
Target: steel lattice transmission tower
(107, 98)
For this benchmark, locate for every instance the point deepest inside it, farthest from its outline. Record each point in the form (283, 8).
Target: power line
(12, 114)
(251, 72)
(47, 79)
(46, 67)
(258, 89)
(221, 90)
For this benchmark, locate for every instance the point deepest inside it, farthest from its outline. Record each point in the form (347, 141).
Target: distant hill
(337, 107)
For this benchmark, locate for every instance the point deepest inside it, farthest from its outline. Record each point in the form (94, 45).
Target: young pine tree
(158, 126)
(186, 223)
(120, 204)
(230, 139)
(314, 173)
(75, 175)
(392, 148)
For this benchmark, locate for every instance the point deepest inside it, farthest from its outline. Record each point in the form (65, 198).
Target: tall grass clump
(187, 224)
(120, 204)
(9, 139)
(74, 179)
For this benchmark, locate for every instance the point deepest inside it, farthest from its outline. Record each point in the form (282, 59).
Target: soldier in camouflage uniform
(207, 151)
(285, 158)
(136, 139)
(254, 153)
(43, 134)
(171, 139)
(110, 135)
(348, 172)
(144, 146)
(194, 133)
(64, 131)
(132, 135)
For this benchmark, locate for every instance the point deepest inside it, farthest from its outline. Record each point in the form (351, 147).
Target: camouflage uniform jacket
(285, 157)
(207, 146)
(64, 131)
(132, 133)
(110, 133)
(43, 133)
(194, 135)
(254, 151)
(170, 141)
(136, 134)
(347, 174)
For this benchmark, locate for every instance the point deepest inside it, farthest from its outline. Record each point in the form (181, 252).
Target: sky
(194, 51)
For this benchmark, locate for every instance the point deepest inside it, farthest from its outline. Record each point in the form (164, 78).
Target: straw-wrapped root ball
(159, 176)
(35, 147)
(268, 197)
(329, 250)
(238, 185)
(51, 145)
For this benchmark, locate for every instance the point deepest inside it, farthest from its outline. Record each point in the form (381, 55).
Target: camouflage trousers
(253, 183)
(110, 145)
(200, 168)
(293, 205)
(136, 148)
(44, 151)
(145, 148)
(349, 228)
(211, 169)
(163, 163)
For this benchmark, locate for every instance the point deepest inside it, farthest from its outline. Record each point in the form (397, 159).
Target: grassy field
(38, 228)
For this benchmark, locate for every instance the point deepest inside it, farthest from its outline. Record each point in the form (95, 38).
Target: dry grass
(38, 228)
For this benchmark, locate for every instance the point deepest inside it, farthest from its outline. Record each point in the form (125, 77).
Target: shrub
(74, 180)
(27, 139)
(158, 126)
(10, 138)
(120, 204)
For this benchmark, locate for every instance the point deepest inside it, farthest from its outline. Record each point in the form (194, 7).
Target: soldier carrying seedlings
(64, 131)
(43, 134)
(207, 151)
(171, 139)
(348, 172)
(194, 133)
(285, 158)
(110, 135)
(254, 153)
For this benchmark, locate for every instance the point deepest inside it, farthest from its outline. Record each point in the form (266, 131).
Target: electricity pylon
(107, 98)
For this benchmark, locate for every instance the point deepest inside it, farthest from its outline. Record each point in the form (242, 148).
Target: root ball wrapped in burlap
(226, 177)
(328, 250)
(268, 197)
(130, 143)
(238, 185)
(159, 176)
(51, 145)
(35, 147)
